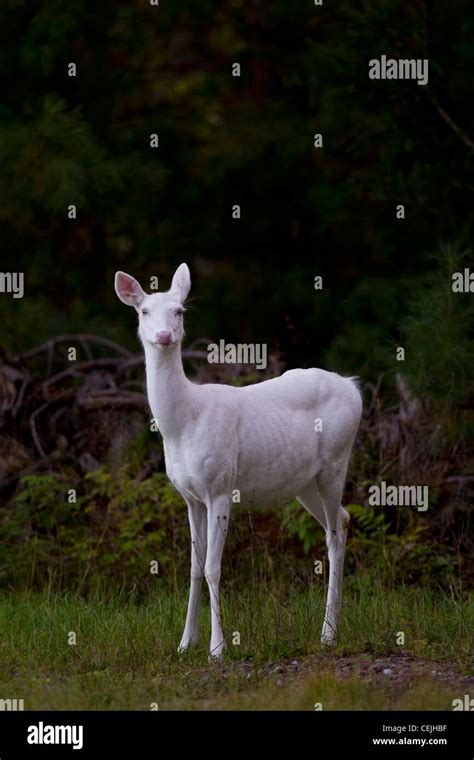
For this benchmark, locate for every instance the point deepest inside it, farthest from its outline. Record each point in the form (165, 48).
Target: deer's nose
(163, 337)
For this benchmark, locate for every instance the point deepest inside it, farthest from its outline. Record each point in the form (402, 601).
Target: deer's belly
(264, 491)
(256, 477)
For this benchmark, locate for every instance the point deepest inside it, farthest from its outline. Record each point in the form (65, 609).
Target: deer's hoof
(186, 644)
(328, 640)
(214, 659)
(217, 653)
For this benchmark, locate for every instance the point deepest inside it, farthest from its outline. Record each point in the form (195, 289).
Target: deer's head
(160, 315)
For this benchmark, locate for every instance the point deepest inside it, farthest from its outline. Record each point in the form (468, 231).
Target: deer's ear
(182, 281)
(128, 289)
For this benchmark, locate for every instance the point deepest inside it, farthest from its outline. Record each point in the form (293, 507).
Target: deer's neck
(169, 391)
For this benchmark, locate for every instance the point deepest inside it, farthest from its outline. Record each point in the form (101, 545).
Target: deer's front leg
(197, 514)
(217, 527)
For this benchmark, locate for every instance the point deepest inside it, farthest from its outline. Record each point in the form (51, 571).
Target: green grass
(125, 656)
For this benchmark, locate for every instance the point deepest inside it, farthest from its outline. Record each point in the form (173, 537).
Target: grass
(125, 653)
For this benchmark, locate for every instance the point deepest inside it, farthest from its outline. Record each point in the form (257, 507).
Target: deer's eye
(145, 312)
(179, 312)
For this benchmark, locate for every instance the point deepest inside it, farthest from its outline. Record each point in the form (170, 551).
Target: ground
(122, 654)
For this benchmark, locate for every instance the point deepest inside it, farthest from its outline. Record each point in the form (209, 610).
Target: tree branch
(457, 130)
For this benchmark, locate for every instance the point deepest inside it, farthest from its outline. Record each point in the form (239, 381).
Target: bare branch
(122, 400)
(65, 395)
(71, 338)
(455, 128)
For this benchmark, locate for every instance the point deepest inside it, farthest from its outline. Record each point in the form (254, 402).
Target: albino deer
(260, 440)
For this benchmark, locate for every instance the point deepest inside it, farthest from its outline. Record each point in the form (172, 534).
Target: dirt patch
(396, 670)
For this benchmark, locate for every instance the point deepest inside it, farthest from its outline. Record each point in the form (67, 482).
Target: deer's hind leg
(331, 485)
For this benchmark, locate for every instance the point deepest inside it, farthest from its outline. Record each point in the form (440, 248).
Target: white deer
(284, 438)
